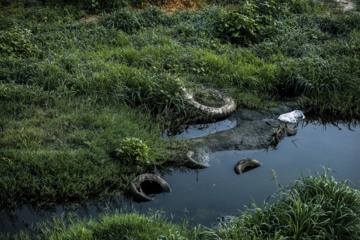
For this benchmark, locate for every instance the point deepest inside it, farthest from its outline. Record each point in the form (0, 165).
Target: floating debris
(246, 164)
(292, 117)
(145, 184)
(280, 131)
(228, 107)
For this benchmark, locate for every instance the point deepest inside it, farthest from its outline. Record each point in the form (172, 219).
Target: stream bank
(204, 195)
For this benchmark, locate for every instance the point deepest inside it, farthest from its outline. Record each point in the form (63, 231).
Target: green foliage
(124, 20)
(17, 42)
(249, 22)
(253, 21)
(357, 5)
(337, 25)
(239, 28)
(131, 21)
(89, 5)
(24, 3)
(313, 207)
(240, 25)
(208, 99)
(119, 225)
(133, 151)
(64, 150)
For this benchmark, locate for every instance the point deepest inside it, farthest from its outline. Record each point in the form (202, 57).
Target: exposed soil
(90, 18)
(170, 6)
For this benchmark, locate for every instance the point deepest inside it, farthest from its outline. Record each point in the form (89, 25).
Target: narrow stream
(204, 195)
(209, 193)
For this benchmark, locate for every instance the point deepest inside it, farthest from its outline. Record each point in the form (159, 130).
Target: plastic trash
(292, 117)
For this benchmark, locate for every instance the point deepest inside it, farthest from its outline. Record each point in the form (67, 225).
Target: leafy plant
(94, 4)
(123, 19)
(249, 21)
(17, 42)
(240, 26)
(130, 21)
(133, 150)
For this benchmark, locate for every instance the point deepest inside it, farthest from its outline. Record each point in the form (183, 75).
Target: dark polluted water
(204, 195)
(212, 192)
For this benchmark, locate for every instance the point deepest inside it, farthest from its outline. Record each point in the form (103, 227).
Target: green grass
(314, 207)
(71, 91)
(65, 154)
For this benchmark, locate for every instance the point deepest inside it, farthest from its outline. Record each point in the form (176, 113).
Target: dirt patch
(89, 18)
(170, 6)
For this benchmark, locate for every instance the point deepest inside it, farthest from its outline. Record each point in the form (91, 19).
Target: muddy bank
(252, 132)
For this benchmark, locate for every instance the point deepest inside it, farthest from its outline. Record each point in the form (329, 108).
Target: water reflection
(200, 130)
(27, 217)
(325, 121)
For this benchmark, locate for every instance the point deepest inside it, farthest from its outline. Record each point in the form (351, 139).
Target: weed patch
(17, 42)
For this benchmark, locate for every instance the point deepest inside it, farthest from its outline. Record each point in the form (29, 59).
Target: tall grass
(64, 153)
(312, 207)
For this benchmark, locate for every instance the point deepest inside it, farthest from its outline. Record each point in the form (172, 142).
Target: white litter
(292, 117)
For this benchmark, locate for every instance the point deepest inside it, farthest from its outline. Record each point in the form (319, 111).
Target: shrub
(240, 26)
(249, 22)
(131, 21)
(91, 5)
(133, 151)
(17, 42)
(299, 6)
(123, 19)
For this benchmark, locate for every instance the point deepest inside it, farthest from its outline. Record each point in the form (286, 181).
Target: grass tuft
(312, 207)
